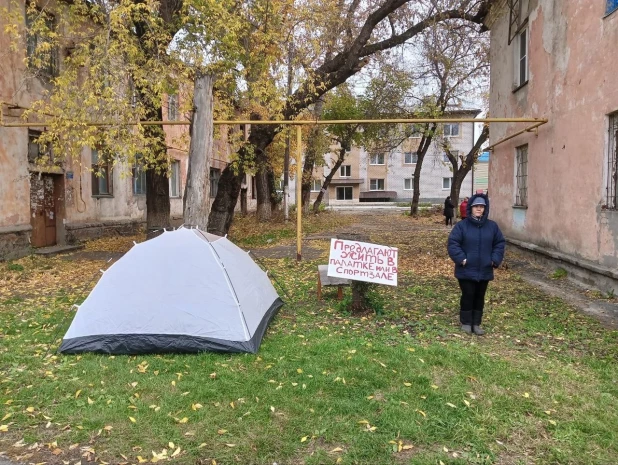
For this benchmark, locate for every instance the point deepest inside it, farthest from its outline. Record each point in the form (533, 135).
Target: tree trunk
(157, 202)
(197, 201)
(460, 173)
(328, 179)
(416, 182)
(274, 195)
(360, 302)
(157, 180)
(243, 201)
(222, 210)
(264, 210)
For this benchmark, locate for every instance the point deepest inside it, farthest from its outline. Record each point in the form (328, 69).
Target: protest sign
(362, 261)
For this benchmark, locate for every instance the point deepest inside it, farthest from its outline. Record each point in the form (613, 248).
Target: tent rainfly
(183, 291)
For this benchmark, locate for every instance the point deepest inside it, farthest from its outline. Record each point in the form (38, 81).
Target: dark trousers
(472, 301)
(449, 220)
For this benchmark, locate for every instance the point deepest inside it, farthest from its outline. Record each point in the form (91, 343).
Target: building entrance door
(43, 211)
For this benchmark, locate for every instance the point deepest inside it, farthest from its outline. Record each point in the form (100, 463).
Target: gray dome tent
(183, 291)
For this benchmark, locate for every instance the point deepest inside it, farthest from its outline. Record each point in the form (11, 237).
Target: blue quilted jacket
(479, 242)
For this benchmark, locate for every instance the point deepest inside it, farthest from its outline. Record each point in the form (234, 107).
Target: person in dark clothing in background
(476, 245)
(449, 211)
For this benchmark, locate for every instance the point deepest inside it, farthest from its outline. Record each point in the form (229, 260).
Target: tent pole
(299, 200)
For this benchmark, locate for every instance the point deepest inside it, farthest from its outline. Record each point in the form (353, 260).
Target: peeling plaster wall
(572, 81)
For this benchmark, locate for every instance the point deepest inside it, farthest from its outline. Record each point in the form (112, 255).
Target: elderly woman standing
(476, 245)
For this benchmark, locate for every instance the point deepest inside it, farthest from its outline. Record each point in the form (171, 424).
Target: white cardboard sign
(362, 261)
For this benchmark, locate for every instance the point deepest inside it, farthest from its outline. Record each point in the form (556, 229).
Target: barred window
(612, 168)
(521, 177)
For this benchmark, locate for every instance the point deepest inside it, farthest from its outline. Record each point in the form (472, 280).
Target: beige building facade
(64, 201)
(555, 191)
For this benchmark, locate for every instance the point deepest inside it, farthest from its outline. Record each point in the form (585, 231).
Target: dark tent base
(133, 344)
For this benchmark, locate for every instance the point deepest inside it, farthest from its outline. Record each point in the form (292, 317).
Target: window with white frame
(139, 176)
(376, 184)
(410, 158)
(377, 159)
(451, 129)
(446, 183)
(612, 5)
(408, 184)
(344, 193)
(316, 185)
(175, 179)
(521, 176)
(521, 57)
(611, 189)
(345, 171)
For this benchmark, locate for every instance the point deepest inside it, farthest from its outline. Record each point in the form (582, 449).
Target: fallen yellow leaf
(407, 384)
(303, 439)
(30, 409)
(79, 391)
(4, 428)
(196, 406)
(337, 449)
(132, 420)
(7, 416)
(183, 420)
(222, 431)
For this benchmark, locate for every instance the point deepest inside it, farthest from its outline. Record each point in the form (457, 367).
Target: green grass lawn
(404, 387)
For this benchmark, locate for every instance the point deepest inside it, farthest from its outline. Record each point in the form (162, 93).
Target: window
(172, 107)
(101, 174)
(612, 5)
(451, 129)
(215, 174)
(446, 183)
(410, 158)
(446, 159)
(38, 153)
(41, 53)
(316, 185)
(345, 171)
(611, 201)
(376, 184)
(417, 131)
(175, 178)
(408, 184)
(132, 91)
(521, 58)
(139, 176)
(521, 177)
(344, 193)
(377, 159)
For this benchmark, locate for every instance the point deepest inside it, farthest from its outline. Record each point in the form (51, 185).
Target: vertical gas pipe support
(299, 200)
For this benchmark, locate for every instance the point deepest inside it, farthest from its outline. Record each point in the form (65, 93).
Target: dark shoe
(478, 330)
(466, 329)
